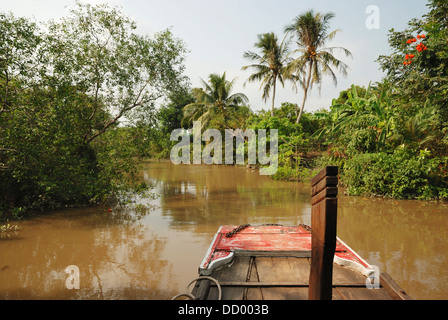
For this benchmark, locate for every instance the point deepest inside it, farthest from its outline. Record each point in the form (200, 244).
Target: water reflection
(407, 239)
(152, 248)
(228, 195)
(115, 261)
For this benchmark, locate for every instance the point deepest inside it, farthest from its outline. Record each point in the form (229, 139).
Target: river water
(152, 247)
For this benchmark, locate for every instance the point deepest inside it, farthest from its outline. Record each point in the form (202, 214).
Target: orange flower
(423, 36)
(411, 56)
(406, 57)
(421, 47)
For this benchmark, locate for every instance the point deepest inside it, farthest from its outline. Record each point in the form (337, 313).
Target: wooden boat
(275, 262)
(272, 262)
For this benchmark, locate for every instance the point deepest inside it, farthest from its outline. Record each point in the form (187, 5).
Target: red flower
(411, 56)
(409, 41)
(414, 40)
(423, 36)
(407, 57)
(418, 37)
(421, 47)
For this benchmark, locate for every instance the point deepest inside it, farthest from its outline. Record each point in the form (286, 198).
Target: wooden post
(323, 232)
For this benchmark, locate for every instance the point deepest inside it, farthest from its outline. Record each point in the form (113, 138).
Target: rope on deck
(236, 230)
(191, 296)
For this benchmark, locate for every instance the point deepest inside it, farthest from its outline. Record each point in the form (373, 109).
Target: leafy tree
(155, 138)
(311, 32)
(419, 130)
(170, 114)
(19, 40)
(64, 89)
(269, 65)
(417, 67)
(96, 50)
(363, 123)
(345, 95)
(214, 100)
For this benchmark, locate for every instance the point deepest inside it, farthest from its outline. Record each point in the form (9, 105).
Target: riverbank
(393, 176)
(125, 254)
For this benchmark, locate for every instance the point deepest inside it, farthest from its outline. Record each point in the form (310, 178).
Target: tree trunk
(273, 96)
(305, 93)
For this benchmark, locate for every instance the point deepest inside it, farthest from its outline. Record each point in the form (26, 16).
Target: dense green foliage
(65, 89)
(390, 139)
(215, 105)
(79, 97)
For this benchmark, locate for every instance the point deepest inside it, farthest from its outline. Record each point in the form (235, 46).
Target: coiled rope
(191, 296)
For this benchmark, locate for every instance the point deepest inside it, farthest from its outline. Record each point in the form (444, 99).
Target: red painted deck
(272, 238)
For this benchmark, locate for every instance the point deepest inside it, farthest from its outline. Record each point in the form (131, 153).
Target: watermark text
(234, 147)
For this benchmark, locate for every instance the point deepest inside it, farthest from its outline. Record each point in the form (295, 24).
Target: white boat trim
(216, 263)
(367, 270)
(203, 264)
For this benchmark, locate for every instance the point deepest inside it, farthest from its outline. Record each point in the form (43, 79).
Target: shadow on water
(152, 248)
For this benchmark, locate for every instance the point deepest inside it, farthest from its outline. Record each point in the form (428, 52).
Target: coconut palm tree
(269, 64)
(213, 99)
(311, 32)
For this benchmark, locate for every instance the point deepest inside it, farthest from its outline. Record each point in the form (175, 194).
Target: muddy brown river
(151, 248)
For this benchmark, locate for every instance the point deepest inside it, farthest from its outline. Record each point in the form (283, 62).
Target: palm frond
(312, 59)
(271, 62)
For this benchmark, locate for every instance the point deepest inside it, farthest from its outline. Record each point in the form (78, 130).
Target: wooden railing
(323, 232)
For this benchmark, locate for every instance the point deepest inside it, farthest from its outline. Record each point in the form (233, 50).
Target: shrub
(396, 175)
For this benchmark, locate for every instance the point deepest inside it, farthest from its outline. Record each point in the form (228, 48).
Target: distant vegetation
(78, 108)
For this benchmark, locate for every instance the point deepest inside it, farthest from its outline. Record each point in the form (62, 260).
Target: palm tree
(270, 64)
(311, 30)
(213, 99)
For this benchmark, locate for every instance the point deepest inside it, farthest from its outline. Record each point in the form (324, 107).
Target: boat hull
(275, 240)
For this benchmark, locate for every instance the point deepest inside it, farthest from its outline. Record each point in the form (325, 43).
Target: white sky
(217, 33)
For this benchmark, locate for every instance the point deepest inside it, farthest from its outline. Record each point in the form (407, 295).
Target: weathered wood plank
(255, 284)
(283, 270)
(323, 245)
(346, 275)
(237, 272)
(252, 278)
(201, 289)
(300, 267)
(325, 172)
(276, 293)
(279, 253)
(392, 288)
(330, 192)
(331, 181)
(359, 293)
(285, 278)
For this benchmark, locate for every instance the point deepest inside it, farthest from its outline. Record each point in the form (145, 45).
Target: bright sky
(217, 33)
